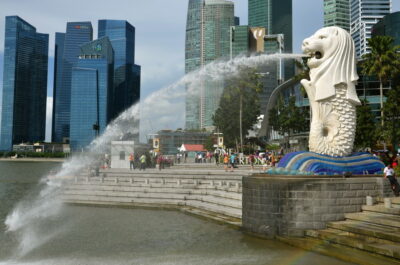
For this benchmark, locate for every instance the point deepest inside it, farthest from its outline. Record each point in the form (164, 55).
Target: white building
(120, 151)
(364, 14)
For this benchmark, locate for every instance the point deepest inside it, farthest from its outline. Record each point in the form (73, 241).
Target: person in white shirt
(389, 173)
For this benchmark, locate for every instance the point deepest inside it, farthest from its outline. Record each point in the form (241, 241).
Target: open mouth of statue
(317, 55)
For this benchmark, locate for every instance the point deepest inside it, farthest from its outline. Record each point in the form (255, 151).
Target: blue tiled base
(308, 163)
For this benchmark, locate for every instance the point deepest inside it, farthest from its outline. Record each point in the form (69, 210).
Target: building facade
(170, 141)
(277, 18)
(389, 25)
(92, 93)
(337, 13)
(364, 14)
(126, 73)
(23, 116)
(77, 33)
(207, 39)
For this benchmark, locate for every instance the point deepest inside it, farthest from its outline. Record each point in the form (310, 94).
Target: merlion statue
(331, 91)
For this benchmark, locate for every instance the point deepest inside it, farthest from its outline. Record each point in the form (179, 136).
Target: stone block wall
(276, 205)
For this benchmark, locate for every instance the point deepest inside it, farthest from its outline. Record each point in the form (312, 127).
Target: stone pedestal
(279, 205)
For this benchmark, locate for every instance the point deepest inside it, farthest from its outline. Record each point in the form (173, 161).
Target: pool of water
(92, 235)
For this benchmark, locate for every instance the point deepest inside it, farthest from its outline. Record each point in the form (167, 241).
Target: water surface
(91, 235)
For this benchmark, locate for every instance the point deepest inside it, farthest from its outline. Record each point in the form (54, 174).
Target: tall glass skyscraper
(77, 34)
(91, 92)
(364, 14)
(23, 117)
(337, 13)
(276, 17)
(207, 39)
(126, 73)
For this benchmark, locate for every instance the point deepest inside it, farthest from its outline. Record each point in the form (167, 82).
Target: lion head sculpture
(332, 62)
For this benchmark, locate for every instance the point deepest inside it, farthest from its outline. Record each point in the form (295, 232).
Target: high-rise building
(337, 13)
(207, 39)
(389, 25)
(91, 92)
(77, 34)
(23, 116)
(126, 73)
(58, 61)
(364, 14)
(276, 17)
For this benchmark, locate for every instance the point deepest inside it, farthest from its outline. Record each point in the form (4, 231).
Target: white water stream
(24, 220)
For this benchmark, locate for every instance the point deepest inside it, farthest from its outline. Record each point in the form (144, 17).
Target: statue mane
(339, 68)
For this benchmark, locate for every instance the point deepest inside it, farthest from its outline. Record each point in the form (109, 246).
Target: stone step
(152, 202)
(220, 218)
(375, 218)
(174, 190)
(338, 251)
(162, 196)
(395, 200)
(223, 188)
(370, 244)
(367, 229)
(172, 181)
(380, 208)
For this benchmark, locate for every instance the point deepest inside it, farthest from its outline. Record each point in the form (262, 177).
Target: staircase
(369, 237)
(203, 190)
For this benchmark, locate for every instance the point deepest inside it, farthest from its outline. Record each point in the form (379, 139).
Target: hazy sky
(160, 31)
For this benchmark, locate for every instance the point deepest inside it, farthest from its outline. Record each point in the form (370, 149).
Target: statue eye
(322, 37)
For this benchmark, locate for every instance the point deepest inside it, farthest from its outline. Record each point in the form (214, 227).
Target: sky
(160, 33)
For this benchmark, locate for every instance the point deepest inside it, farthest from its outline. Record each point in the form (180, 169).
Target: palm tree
(383, 62)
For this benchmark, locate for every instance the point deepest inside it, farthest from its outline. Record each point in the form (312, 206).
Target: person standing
(389, 173)
(132, 161)
(226, 162)
(216, 156)
(143, 162)
(232, 161)
(251, 161)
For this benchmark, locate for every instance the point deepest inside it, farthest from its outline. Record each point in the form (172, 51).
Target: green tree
(383, 62)
(239, 106)
(366, 132)
(391, 128)
(288, 119)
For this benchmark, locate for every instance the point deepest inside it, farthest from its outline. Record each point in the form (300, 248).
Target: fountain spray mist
(28, 216)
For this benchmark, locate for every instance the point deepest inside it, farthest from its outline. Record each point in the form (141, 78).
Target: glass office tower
(207, 39)
(126, 73)
(23, 116)
(77, 34)
(388, 26)
(276, 17)
(337, 13)
(364, 14)
(91, 92)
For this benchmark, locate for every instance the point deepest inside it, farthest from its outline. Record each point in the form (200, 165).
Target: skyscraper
(126, 73)
(91, 92)
(388, 26)
(77, 34)
(275, 16)
(337, 13)
(24, 84)
(207, 39)
(364, 14)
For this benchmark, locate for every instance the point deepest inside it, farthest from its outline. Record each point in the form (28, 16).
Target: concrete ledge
(289, 206)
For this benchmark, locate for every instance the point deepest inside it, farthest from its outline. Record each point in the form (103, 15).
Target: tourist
(251, 161)
(132, 161)
(232, 161)
(216, 156)
(143, 162)
(160, 162)
(389, 173)
(226, 161)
